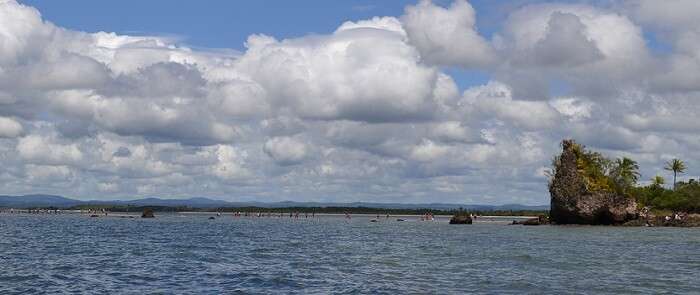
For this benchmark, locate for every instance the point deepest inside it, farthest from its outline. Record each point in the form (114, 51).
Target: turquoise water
(185, 254)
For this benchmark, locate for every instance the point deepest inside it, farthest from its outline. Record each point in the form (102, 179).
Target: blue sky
(217, 24)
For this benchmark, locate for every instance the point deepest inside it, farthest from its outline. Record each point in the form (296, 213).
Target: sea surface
(191, 254)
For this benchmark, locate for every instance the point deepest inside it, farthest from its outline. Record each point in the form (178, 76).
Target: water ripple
(176, 255)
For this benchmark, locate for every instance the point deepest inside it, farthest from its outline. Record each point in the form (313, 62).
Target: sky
(339, 101)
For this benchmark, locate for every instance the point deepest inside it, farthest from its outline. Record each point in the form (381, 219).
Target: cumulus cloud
(593, 50)
(230, 163)
(365, 71)
(565, 43)
(45, 150)
(365, 112)
(286, 150)
(675, 24)
(447, 36)
(10, 127)
(495, 100)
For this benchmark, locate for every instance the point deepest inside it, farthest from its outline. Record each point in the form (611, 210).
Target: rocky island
(587, 188)
(573, 197)
(461, 217)
(148, 213)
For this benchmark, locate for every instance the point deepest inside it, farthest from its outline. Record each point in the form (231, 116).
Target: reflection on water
(192, 254)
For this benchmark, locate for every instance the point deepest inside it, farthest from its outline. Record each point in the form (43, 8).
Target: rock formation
(540, 220)
(461, 218)
(148, 213)
(573, 203)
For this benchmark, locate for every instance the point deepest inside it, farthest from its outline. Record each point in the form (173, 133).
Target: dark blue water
(185, 254)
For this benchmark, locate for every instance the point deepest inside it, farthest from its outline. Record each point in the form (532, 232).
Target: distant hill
(37, 201)
(191, 202)
(29, 201)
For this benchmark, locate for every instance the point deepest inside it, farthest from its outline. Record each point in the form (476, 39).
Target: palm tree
(677, 166)
(626, 171)
(658, 181)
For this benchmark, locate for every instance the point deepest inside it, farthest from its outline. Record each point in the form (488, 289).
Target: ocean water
(190, 254)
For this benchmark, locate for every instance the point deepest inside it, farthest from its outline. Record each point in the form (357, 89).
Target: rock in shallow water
(148, 213)
(461, 219)
(573, 203)
(540, 220)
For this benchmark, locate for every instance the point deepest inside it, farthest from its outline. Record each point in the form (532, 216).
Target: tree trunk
(674, 180)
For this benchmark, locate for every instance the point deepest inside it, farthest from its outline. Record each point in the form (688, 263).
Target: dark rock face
(573, 203)
(148, 213)
(461, 219)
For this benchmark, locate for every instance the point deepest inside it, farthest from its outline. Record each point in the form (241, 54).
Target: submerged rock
(148, 213)
(540, 220)
(573, 203)
(461, 218)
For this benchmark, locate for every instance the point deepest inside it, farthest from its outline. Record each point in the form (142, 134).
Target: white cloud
(21, 30)
(675, 24)
(230, 164)
(10, 127)
(447, 36)
(45, 150)
(428, 151)
(495, 100)
(594, 51)
(364, 112)
(667, 14)
(454, 131)
(362, 73)
(286, 150)
(573, 108)
(41, 173)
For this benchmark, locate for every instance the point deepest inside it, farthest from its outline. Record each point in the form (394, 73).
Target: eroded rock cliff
(573, 203)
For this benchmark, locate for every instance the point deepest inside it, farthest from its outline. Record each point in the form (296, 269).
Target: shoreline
(505, 220)
(229, 214)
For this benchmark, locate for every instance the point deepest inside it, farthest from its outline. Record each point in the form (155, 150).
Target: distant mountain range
(29, 201)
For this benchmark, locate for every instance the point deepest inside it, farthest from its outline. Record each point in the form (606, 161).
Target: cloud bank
(367, 112)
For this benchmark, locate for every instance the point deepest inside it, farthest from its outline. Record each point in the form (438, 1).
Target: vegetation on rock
(601, 174)
(587, 188)
(621, 176)
(461, 217)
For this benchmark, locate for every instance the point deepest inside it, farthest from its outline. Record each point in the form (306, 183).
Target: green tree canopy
(625, 174)
(677, 167)
(658, 181)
